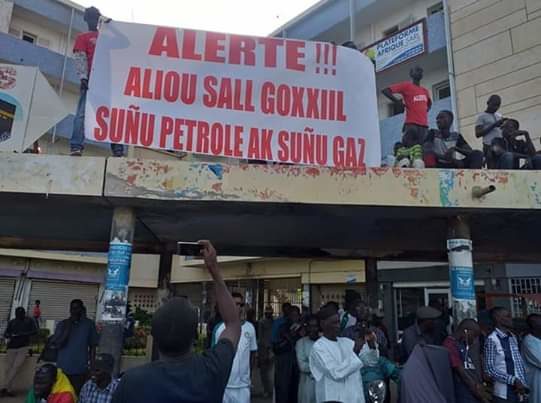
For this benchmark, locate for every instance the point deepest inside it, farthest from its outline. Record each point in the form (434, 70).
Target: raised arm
(388, 92)
(529, 142)
(224, 300)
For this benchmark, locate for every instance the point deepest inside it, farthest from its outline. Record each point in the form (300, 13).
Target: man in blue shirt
(278, 322)
(77, 340)
(102, 385)
(503, 362)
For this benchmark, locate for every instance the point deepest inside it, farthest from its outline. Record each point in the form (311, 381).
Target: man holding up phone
(181, 375)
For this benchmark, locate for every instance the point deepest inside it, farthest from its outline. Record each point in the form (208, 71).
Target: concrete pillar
(260, 298)
(306, 297)
(461, 276)
(372, 285)
(113, 303)
(352, 23)
(164, 291)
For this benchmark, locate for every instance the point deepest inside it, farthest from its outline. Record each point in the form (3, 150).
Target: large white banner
(271, 99)
(399, 47)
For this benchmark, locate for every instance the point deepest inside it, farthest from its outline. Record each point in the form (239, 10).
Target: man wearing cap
(180, 375)
(421, 332)
(102, 385)
(335, 363)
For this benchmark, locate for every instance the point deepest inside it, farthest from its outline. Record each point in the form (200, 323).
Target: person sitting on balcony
(83, 52)
(447, 149)
(409, 153)
(416, 101)
(518, 145)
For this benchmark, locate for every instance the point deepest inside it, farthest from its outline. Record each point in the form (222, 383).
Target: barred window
(522, 306)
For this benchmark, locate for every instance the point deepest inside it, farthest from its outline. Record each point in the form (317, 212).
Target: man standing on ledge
(83, 52)
(416, 100)
(181, 375)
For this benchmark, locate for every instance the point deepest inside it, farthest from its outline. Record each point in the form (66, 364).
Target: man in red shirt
(83, 52)
(416, 100)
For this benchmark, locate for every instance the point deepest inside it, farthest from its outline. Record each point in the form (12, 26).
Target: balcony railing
(17, 51)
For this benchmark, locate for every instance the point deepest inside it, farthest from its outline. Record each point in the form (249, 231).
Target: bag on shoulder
(55, 343)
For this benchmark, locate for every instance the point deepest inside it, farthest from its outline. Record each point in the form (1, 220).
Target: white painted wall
(57, 39)
(370, 33)
(6, 9)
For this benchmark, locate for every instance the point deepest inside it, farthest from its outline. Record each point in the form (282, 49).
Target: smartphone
(189, 248)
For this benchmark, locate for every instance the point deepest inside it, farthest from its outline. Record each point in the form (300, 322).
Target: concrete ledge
(180, 180)
(51, 174)
(261, 210)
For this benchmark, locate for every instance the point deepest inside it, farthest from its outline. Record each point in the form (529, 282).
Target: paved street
(21, 397)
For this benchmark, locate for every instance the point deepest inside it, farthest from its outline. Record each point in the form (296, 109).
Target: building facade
(302, 282)
(56, 278)
(405, 286)
(478, 47)
(475, 48)
(367, 23)
(497, 50)
(42, 33)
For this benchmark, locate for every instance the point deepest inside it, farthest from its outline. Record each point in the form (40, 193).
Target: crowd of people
(336, 355)
(505, 146)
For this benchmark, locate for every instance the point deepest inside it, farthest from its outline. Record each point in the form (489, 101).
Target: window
(522, 305)
(28, 37)
(441, 90)
(436, 8)
(391, 31)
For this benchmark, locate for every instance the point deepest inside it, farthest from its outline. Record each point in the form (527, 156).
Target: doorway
(439, 298)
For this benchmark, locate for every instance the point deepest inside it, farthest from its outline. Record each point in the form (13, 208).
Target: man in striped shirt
(101, 386)
(503, 362)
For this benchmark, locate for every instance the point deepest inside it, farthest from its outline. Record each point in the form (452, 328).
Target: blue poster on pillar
(118, 267)
(462, 283)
